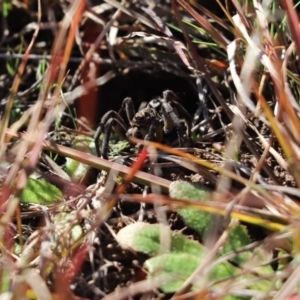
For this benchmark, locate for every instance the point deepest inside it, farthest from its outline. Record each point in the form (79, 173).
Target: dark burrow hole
(142, 87)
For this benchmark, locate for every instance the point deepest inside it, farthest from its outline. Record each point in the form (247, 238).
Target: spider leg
(152, 133)
(187, 117)
(97, 138)
(171, 119)
(110, 120)
(155, 132)
(105, 143)
(127, 106)
(174, 101)
(170, 96)
(114, 115)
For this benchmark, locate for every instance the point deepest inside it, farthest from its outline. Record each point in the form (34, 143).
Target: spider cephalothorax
(159, 117)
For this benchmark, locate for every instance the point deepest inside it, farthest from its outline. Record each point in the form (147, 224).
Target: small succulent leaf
(145, 238)
(141, 237)
(181, 244)
(238, 238)
(40, 192)
(195, 219)
(175, 268)
(257, 259)
(189, 191)
(172, 268)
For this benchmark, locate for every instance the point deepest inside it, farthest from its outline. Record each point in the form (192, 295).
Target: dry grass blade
(293, 21)
(201, 162)
(199, 63)
(285, 106)
(61, 53)
(205, 24)
(168, 42)
(105, 210)
(239, 82)
(141, 287)
(240, 12)
(288, 286)
(131, 13)
(88, 56)
(37, 284)
(243, 213)
(273, 199)
(277, 128)
(98, 163)
(16, 84)
(56, 71)
(8, 209)
(211, 15)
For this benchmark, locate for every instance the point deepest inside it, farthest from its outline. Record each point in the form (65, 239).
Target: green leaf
(256, 260)
(75, 169)
(238, 238)
(11, 71)
(173, 269)
(6, 7)
(40, 192)
(195, 219)
(188, 191)
(146, 238)
(117, 148)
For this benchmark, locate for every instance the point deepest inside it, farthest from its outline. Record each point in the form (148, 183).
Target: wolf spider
(159, 117)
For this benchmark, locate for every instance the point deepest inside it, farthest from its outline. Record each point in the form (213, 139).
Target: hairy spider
(159, 117)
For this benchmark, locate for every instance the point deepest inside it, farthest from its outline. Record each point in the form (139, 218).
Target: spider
(159, 117)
